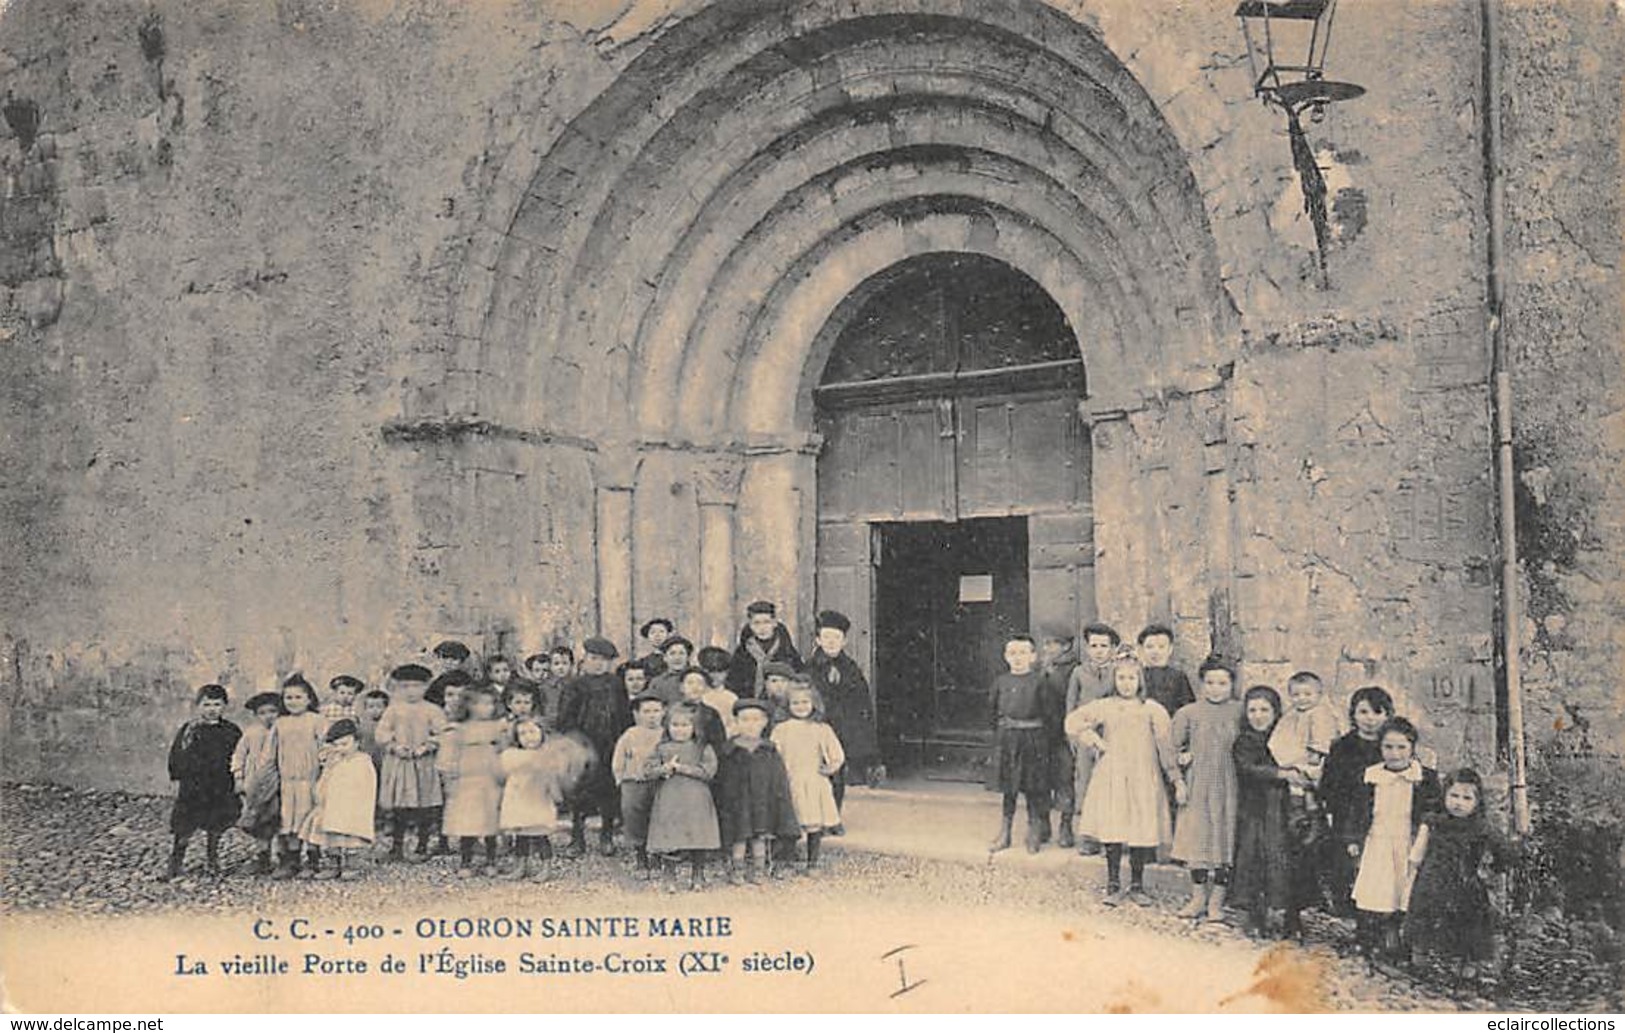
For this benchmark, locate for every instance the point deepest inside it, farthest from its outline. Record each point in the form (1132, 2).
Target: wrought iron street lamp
(1287, 42)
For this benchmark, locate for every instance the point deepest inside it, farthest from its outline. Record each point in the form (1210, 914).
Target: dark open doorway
(947, 597)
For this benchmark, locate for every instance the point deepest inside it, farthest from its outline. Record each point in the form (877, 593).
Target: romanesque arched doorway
(647, 307)
(953, 488)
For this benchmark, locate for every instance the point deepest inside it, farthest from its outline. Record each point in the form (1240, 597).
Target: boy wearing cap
(848, 705)
(764, 638)
(594, 706)
(637, 772)
(253, 772)
(449, 657)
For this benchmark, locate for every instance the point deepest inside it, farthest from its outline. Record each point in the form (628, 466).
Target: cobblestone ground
(99, 853)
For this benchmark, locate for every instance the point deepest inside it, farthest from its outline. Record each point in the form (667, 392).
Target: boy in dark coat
(753, 794)
(1057, 659)
(848, 706)
(594, 706)
(200, 761)
(761, 640)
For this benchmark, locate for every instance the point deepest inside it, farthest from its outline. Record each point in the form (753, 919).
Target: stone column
(615, 471)
(775, 546)
(1117, 521)
(717, 487)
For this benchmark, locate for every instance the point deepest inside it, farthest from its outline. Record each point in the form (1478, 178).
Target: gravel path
(83, 853)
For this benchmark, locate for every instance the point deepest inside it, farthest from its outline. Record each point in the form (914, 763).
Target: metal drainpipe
(1511, 600)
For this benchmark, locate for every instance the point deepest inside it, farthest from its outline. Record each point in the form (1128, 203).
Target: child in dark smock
(753, 794)
(683, 823)
(200, 762)
(1450, 917)
(1021, 742)
(637, 773)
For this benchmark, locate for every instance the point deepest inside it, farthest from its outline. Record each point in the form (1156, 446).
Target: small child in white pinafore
(1400, 793)
(528, 811)
(342, 819)
(812, 755)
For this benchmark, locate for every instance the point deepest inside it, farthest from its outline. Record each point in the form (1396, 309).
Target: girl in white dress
(812, 755)
(1126, 805)
(1400, 793)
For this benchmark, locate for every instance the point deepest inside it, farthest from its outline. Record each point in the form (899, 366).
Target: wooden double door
(944, 528)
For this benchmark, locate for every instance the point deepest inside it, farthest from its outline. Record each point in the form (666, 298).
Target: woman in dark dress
(1268, 878)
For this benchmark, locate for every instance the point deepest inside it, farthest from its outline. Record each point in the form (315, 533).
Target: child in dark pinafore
(1450, 916)
(200, 762)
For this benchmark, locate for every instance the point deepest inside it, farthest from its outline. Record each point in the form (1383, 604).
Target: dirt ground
(880, 933)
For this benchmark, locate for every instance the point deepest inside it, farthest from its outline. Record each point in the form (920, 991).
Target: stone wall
(1561, 116)
(336, 329)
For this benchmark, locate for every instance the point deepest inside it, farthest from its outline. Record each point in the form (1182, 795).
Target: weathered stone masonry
(337, 329)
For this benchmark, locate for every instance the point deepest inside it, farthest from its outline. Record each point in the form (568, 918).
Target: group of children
(737, 757)
(1272, 806)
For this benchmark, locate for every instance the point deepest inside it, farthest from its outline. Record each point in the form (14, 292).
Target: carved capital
(717, 480)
